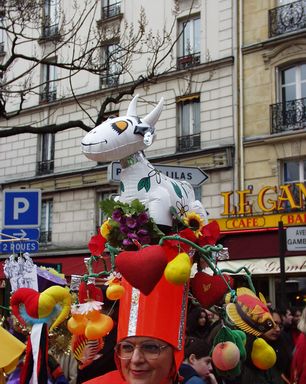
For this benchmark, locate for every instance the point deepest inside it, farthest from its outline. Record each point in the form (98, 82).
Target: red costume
(161, 315)
(298, 365)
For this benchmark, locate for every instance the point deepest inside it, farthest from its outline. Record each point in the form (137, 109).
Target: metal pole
(282, 253)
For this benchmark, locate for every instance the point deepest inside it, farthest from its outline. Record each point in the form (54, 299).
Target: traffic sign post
(194, 175)
(21, 208)
(296, 238)
(21, 219)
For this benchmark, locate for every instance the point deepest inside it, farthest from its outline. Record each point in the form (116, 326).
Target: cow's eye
(120, 126)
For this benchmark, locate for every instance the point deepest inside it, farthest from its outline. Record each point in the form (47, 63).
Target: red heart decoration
(209, 290)
(144, 268)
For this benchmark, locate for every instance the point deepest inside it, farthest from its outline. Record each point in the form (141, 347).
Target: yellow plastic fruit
(114, 291)
(263, 355)
(178, 270)
(98, 328)
(77, 324)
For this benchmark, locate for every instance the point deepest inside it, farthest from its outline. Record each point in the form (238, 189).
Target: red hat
(161, 314)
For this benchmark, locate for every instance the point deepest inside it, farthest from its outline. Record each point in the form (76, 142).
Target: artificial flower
(194, 221)
(209, 234)
(96, 244)
(105, 229)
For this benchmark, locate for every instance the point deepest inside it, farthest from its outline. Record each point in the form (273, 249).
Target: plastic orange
(99, 328)
(77, 324)
(93, 315)
(114, 292)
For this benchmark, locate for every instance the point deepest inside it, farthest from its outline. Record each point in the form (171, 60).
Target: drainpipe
(241, 103)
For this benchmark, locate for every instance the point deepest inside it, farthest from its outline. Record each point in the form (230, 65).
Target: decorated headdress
(150, 315)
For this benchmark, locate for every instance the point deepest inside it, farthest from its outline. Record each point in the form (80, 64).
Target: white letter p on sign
(21, 205)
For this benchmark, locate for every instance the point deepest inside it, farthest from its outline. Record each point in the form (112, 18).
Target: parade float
(156, 237)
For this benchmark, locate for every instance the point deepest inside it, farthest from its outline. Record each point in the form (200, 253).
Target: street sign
(296, 238)
(21, 208)
(26, 233)
(194, 175)
(19, 246)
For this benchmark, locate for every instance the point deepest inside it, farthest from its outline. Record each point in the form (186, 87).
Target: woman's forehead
(141, 339)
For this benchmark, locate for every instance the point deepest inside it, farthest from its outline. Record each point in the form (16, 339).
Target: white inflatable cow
(124, 138)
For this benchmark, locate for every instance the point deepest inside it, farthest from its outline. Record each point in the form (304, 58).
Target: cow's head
(120, 137)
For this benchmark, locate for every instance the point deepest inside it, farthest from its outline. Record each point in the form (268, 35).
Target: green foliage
(108, 206)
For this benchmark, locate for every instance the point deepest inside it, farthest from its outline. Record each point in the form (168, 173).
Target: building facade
(272, 167)
(196, 128)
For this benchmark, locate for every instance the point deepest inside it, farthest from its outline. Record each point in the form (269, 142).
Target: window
(46, 221)
(2, 36)
(110, 8)
(110, 61)
(294, 171)
(189, 43)
(293, 95)
(50, 18)
(46, 163)
(49, 77)
(290, 112)
(189, 124)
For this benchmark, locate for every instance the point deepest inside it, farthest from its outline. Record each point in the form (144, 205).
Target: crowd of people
(149, 360)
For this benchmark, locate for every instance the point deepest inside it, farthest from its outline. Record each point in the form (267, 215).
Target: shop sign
(296, 239)
(269, 199)
(261, 221)
(293, 264)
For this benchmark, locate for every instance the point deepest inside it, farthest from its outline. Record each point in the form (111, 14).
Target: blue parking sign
(21, 208)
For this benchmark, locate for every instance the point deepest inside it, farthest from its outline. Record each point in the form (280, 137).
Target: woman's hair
(302, 323)
(198, 347)
(192, 320)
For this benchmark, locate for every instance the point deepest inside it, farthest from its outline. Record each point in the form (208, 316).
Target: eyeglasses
(150, 350)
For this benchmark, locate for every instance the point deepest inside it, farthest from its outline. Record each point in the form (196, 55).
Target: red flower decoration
(96, 244)
(174, 247)
(209, 234)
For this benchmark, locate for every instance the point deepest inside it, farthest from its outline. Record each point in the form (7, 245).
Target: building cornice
(275, 138)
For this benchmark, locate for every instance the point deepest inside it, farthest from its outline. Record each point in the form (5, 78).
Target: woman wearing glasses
(151, 332)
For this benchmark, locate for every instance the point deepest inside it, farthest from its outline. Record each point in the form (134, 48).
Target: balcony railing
(188, 61)
(45, 237)
(287, 18)
(109, 81)
(189, 143)
(288, 116)
(48, 96)
(111, 10)
(45, 167)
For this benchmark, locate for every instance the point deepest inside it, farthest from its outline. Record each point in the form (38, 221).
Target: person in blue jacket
(196, 367)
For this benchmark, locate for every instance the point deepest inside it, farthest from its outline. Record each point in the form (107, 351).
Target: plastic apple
(225, 356)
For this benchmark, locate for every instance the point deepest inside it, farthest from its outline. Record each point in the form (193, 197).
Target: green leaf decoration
(122, 186)
(182, 185)
(177, 190)
(144, 183)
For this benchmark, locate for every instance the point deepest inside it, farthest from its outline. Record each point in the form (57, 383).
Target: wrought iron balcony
(287, 18)
(111, 10)
(288, 116)
(188, 61)
(47, 96)
(45, 167)
(45, 237)
(189, 143)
